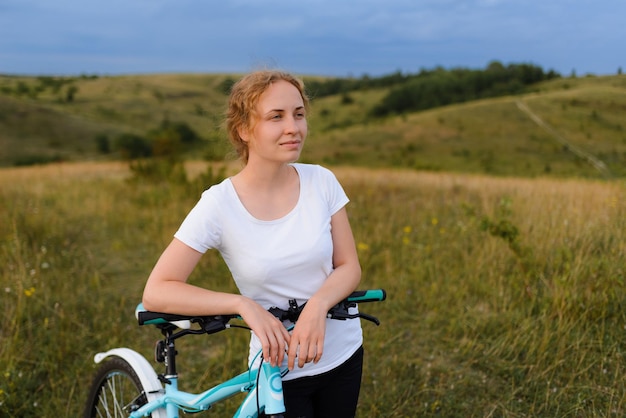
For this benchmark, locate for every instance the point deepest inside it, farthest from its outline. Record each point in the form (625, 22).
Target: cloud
(331, 37)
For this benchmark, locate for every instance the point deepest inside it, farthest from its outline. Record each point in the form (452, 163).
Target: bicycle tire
(116, 390)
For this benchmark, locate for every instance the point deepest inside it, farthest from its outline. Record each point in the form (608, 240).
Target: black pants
(333, 394)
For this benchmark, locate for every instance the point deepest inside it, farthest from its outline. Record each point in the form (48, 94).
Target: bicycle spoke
(116, 391)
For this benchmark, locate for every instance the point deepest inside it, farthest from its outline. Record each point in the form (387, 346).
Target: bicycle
(126, 385)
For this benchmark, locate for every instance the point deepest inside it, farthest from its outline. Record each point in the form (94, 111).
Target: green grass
(484, 137)
(488, 136)
(505, 294)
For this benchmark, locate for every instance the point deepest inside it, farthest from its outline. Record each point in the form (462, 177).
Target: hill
(554, 128)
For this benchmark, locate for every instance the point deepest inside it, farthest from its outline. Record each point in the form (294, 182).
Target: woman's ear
(244, 134)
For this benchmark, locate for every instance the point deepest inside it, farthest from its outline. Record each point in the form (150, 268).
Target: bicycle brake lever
(341, 313)
(370, 318)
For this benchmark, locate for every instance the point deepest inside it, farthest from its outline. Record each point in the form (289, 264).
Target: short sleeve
(335, 194)
(201, 228)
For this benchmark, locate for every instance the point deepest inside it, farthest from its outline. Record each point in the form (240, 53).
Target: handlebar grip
(372, 295)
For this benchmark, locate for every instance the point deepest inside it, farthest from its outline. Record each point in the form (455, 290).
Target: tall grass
(505, 295)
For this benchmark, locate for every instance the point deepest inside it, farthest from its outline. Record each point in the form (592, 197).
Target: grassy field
(506, 295)
(490, 136)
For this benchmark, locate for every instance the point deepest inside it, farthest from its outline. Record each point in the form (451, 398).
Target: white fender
(144, 370)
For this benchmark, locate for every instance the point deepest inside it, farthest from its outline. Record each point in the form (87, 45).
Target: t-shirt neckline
(250, 216)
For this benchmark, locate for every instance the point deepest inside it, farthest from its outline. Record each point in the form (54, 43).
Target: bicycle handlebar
(215, 323)
(339, 311)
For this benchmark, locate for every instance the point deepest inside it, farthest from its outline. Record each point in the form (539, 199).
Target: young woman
(282, 229)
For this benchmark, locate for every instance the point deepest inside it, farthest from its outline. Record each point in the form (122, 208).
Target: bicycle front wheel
(116, 391)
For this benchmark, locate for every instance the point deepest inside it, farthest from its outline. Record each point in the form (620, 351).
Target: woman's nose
(291, 125)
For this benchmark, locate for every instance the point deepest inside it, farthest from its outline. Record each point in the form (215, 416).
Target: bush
(133, 146)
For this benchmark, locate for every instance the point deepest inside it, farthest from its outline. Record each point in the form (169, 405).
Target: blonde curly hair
(244, 97)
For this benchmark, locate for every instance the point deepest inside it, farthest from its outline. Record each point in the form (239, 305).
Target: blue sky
(322, 37)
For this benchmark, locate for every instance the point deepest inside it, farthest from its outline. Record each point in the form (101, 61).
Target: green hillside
(583, 132)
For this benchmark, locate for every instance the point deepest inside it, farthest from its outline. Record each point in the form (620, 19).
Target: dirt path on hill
(591, 159)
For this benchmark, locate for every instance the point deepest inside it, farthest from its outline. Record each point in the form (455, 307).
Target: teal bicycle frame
(269, 390)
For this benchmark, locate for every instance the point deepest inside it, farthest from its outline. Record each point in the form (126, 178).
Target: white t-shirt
(278, 260)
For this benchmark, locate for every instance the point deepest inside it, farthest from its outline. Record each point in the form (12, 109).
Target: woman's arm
(167, 290)
(307, 338)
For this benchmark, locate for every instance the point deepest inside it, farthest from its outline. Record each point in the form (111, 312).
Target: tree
(70, 93)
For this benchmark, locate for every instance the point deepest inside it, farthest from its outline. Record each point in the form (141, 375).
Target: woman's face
(279, 127)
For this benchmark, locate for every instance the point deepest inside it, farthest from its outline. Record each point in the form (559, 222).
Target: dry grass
(505, 294)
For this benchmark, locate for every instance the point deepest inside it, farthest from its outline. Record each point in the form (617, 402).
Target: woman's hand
(307, 338)
(271, 332)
